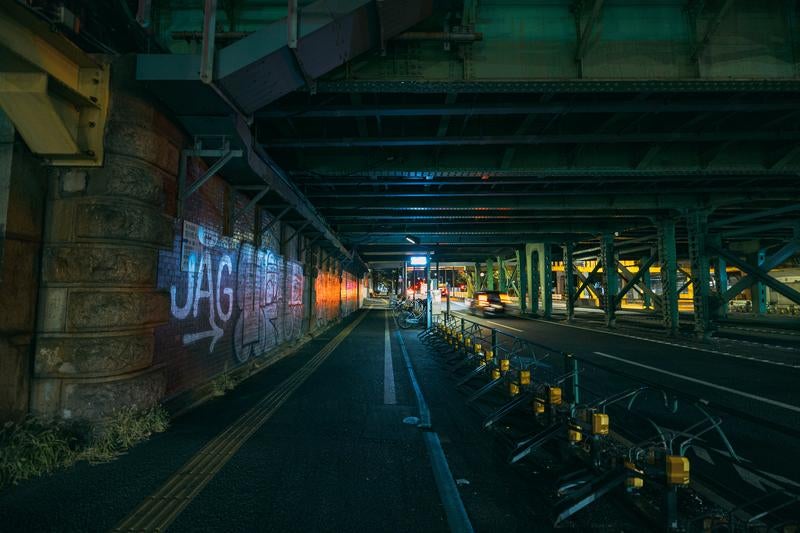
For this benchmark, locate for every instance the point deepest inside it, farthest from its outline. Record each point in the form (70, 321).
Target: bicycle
(415, 316)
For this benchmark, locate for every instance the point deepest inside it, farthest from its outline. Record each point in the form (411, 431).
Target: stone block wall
(99, 304)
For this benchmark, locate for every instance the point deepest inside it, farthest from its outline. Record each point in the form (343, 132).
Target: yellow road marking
(162, 507)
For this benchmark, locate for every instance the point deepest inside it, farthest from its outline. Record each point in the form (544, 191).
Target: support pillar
(429, 294)
(490, 274)
(502, 275)
(758, 290)
(477, 278)
(610, 278)
(697, 224)
(669, 274)
(100, 301)
(535, 282)
(648, 301)
(569, 280)
(720, 309)
(547, 282)
(522, 270)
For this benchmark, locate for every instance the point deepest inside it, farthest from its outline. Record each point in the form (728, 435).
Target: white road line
(498, 324)
(702, 382)
(667, 343)
(389, 396)
(501, 325)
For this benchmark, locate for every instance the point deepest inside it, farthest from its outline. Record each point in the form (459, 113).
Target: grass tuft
(35, 447)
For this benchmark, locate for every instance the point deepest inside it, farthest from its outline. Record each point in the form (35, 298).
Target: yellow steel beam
(56, 95)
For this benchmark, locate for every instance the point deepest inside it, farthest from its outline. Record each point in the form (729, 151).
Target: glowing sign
(418, 260)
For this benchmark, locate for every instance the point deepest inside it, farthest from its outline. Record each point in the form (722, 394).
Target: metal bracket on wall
(56, 95)
(252, 203)
(224, 153)
(296, 232)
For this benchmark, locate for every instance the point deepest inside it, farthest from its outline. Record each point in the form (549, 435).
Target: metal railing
(631, 432)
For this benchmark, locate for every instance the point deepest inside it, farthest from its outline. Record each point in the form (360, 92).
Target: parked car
(487, 303)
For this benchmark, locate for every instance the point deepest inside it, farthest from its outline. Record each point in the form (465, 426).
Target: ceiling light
(412, 239)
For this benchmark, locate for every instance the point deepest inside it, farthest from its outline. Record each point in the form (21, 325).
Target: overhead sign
(418, 260)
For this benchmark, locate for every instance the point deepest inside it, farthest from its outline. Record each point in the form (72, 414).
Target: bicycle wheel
(405, 320)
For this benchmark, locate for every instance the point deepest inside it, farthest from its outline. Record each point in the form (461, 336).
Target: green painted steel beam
(656, 105)
(783, 85)
(595, 202)
(535, 139)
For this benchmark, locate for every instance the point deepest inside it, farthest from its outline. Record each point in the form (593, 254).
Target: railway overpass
(199, 199)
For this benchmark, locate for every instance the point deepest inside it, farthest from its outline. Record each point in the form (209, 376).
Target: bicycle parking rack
(546, 388)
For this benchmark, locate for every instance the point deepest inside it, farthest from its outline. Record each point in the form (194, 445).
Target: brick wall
(233, 300)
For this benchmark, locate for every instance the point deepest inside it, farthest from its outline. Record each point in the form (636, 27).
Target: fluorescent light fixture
(418, 260)
(412, 239)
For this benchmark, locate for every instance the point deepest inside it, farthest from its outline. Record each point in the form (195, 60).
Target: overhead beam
(546, 108)
(609, 203)
(568, 138)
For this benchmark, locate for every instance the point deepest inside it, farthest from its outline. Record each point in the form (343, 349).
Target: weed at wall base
(35, 447)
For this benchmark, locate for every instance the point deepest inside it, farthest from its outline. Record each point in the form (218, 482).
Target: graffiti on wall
(208, 295)
(349, 293)
(326, 297)
(227, 286)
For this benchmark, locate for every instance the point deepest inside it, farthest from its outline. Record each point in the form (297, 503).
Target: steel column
(547, 282)
(429, 294)
(490, 274)
(667, 256)
(477, 278)
(646, 281)
(610, 278)
(569, 279)
(720, 309)
(758, 290)
(697, 224)
(536, 282)
(501, 274)
(522, 270)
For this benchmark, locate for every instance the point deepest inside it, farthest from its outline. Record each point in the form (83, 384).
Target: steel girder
(779, 85)
(758, 272)
(549, 108)
(610, 204)
(535, 139)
